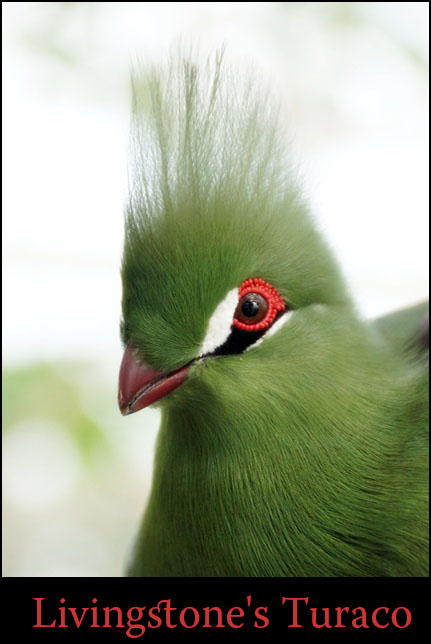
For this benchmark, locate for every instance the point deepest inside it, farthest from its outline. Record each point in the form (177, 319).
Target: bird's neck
(228, 498)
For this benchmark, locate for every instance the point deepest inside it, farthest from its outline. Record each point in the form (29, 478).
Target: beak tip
(125, 407)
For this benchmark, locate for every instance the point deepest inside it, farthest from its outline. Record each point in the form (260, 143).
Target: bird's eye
(258, 308)
(259, 303)
(251, 309)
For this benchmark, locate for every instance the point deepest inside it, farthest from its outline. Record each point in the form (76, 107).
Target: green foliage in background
(53, 392)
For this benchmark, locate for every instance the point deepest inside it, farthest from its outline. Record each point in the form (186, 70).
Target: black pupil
(250, 308)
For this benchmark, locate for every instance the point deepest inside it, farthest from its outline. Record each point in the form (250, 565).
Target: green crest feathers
(206, 137)
(213, 198)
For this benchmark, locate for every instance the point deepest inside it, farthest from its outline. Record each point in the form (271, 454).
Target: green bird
(293, 439)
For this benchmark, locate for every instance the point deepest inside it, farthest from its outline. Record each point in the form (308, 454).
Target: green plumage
(305, 455)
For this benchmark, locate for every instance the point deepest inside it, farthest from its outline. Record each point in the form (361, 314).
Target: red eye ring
(271, 295)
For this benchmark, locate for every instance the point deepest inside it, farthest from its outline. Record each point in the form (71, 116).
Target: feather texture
(307, 455)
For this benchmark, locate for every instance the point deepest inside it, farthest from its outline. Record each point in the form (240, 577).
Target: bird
(293, 439)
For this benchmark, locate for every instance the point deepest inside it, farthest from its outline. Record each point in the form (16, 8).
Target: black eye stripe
(238, 341)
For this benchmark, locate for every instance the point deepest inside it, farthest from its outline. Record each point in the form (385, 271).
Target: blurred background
(353, 77)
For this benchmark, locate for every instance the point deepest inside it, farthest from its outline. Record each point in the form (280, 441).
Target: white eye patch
(219, 326)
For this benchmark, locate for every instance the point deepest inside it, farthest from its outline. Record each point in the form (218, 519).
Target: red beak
(140, 385)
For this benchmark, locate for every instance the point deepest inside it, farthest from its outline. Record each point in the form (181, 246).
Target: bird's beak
(140, 385)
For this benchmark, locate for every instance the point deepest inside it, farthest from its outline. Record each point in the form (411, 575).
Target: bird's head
(222, 266)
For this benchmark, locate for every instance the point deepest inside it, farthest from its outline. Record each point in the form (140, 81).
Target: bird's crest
(213, 202)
